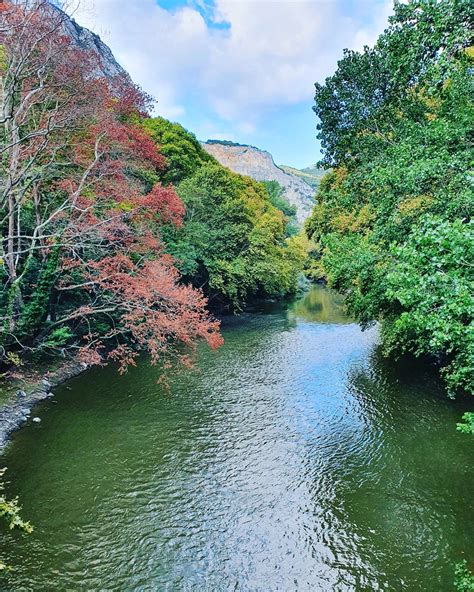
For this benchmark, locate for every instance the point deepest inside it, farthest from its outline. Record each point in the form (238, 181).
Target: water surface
(295, 458)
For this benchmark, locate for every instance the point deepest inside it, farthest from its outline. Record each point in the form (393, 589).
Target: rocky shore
(24, 394)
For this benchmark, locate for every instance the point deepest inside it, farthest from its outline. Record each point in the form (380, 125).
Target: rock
(259, 164)
(303, 283)
(20, 393)
(36, 419)
(89, 41)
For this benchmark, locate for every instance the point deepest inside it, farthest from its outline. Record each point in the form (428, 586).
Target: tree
(233, 241)
(184, 154)
(84, 268)
(277, 199)
(392, 220)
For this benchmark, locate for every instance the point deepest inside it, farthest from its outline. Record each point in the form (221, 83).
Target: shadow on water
(294, 458)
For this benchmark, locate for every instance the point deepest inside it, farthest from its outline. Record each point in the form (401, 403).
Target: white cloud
(269, 56)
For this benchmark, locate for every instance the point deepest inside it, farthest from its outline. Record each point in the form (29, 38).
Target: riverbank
(21, 395)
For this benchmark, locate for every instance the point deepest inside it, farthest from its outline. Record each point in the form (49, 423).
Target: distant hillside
(310, 175)
(259, 165)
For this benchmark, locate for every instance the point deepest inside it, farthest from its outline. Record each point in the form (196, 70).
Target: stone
(259, 165)
(89, 41)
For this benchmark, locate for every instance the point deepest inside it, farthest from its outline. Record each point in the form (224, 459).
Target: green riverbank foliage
(463, 578)
(117, 230)
(392, 225)
(10, 515)
(236, 240)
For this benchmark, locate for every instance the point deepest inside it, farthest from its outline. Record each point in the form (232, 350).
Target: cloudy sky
(240, 70)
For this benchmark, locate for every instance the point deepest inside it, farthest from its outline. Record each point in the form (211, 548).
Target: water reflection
(296, 458)
(320, 305)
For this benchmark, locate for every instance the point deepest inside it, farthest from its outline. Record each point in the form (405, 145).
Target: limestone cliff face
(89, 41)
(259, 164)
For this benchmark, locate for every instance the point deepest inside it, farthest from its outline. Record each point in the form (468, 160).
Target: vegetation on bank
(116, 229)
(237, 238)
(10, 516)
(278, 199)
(463, 578)
(392, 225)
(466, 426)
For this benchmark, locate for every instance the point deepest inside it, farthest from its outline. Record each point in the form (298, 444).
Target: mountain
(259, 165)
(89, 41)
(310, 175)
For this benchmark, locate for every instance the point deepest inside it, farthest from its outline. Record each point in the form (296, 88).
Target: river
(295, 458)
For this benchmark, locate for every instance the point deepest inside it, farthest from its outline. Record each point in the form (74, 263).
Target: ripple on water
(295, 459)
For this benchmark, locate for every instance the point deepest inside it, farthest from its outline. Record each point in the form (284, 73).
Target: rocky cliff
(259, 164)
(87, 40)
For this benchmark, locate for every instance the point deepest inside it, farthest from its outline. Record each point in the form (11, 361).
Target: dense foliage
(234, 239)
(183, 152)
(95, 237)
(392, 225)
(278, 199)
(83, 267)
(467, 425)
(10, 515)
(463, 578)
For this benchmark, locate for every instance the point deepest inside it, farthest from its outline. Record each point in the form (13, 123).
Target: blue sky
(241, 70)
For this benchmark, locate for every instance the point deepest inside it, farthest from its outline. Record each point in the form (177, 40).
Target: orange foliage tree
(82, 264)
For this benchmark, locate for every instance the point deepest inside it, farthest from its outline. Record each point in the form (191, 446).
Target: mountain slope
(310, 175)
(259, 165)
(89, 41)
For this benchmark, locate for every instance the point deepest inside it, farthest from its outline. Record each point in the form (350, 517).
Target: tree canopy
(183, 152)
(234, 239)
(392, 222)
(82, 262)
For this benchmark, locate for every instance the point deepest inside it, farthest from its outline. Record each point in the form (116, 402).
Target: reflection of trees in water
(320, 305)
(400, 497)
(411, 496)
(386, 387)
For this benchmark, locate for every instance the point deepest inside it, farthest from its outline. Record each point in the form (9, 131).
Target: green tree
(238, 239)
(392, 222)
(233, 243)
(275, 193)
(183, 152)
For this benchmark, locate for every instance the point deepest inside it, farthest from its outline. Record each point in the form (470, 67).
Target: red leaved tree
(83, 269)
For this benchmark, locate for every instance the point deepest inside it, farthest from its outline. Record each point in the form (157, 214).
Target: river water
(294, 459)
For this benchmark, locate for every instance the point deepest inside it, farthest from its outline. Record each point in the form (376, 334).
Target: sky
(240, 70)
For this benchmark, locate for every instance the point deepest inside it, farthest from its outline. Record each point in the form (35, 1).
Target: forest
(125, 244)
(118, 229)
